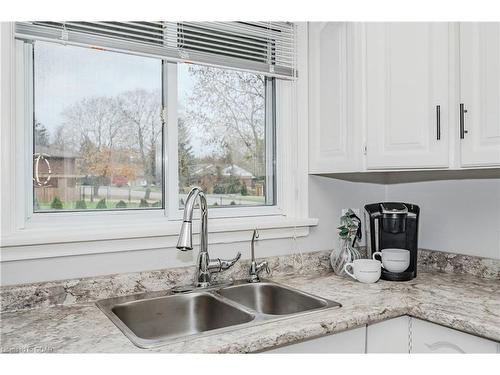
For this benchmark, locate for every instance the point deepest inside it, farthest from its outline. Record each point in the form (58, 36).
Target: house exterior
(63, 175)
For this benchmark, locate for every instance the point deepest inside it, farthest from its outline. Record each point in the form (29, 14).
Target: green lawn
(110, 204)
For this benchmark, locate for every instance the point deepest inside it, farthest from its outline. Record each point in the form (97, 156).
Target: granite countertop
(460, 301)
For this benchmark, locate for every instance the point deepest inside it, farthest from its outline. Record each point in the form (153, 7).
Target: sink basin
(272, 299)
(154, 320)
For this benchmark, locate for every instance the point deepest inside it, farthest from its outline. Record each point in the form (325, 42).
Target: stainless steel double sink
(156, 318)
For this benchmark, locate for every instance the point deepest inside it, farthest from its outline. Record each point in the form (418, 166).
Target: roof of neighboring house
(230, 170)
(54, 152)
(234, 170)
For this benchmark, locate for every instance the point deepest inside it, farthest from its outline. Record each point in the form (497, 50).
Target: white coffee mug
(394, 260)
(364, 270)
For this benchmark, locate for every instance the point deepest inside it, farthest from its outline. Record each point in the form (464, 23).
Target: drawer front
(352, 341)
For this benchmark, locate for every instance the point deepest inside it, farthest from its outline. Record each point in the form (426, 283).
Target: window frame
(21, 228)
(170, 151)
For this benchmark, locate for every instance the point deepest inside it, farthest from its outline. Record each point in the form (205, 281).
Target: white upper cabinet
(407, 94)
(480, 94)
(398, 89)
(334, 143)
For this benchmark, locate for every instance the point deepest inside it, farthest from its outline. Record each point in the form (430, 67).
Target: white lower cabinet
(351, 341)
(388, 336)
(410, 335)
(432, 338)
(398, 335)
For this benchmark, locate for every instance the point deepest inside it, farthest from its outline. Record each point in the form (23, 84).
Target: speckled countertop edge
(460, 301)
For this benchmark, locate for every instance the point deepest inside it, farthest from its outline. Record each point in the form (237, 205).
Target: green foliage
(233, 203)
(101, 204)
(41, 134)
(348, 227)
(215, 204)
(143, 203)
(219, 189)
(244, 190)
(121, 204)
(81, 205)
(36, 204)
(56, 204)
(157, 204)
(234, 185)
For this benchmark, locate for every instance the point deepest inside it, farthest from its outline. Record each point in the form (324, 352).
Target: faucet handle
(256, 268)
(263, 266)
(225, 264)
(266, 267)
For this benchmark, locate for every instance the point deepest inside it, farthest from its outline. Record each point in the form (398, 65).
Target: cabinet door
(352, 341)
(389, 336)
(480, 93)
(432, 338)
(334, 145)
(407, 67)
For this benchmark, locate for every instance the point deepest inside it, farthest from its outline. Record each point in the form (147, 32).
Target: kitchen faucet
(256, 268)
(204, 266)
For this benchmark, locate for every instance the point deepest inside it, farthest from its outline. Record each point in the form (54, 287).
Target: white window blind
(264, 47)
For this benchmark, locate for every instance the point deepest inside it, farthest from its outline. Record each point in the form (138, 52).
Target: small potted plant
(349, 233)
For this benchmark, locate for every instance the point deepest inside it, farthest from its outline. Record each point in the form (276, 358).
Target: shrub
(156, 204)
(233, 188)
(215, 204)
(233, 203)
(101, 204)
(56, 204)
(143, 203)
(81, 205)
(219, 189)
(36, 204)
(244, 190)
(121, 204)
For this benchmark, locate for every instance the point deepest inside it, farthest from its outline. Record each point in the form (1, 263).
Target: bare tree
(93, 120)
(229, 107)
(140, 113)
(92, 127)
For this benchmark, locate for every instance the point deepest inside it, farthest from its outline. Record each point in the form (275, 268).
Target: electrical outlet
(355, 210)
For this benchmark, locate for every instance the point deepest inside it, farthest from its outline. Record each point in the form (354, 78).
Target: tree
(92, 128)
(229, 107)
(186, 156)
(140, 113)
(41, 134)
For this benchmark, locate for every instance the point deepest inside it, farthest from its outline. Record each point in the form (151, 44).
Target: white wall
(458, 215)
(327, 197)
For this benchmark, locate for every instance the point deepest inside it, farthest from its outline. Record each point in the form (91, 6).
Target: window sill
(35, 243)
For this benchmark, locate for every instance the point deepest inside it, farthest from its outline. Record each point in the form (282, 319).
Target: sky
(64, 75)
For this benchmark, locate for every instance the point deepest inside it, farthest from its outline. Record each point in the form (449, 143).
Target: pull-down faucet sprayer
(204, 266)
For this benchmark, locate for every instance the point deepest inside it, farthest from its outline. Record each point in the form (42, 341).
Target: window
(103, 60)
(226, 135)
(98, 140)
(97, 131)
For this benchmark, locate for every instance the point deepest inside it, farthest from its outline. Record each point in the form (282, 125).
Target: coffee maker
(393, 225)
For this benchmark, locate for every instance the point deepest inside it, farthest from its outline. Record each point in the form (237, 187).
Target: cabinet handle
(444, 344)
(463, 111)
(438, 122)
